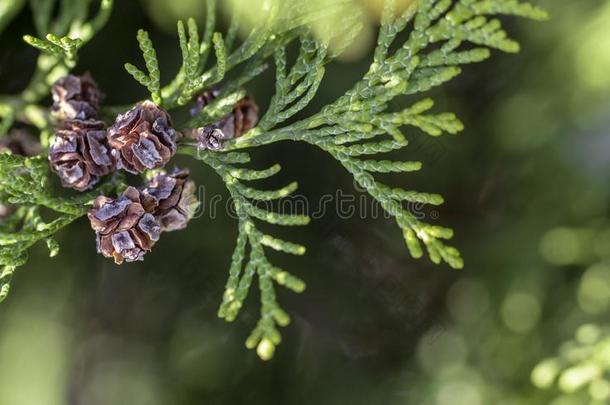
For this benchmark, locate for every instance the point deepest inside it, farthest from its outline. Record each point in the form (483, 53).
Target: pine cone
(210, 137)
(242, 119)
(20, 142)
(204, 99)
(172, 199)
(124, 230)
(80, 154)
(142, 138)
(75, 98)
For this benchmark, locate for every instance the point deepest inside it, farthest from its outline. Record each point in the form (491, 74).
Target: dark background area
(526, 191)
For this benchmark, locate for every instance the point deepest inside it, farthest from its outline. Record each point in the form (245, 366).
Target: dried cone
(75, 98)
(172, 199)
(242, 119)
(142, 138)
(124, 230)
(210, 137)
(204, 99)
(80, 154)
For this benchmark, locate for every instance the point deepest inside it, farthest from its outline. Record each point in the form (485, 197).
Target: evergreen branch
(8, 115)
(230, 158)
(210, 23)
(387, 166)
(70, 31)
(14, 246)
(248, 174)
(430, 56)
(6, 275)
(294, 90)
(24, 181)
(273, 217)
(192, 77)
(152, 80)
(264, 195)
(282, 245)
(180, 83)
(354, 129)
(64, 48)
(244, 267)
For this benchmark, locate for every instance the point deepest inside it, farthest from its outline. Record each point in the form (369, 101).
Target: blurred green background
(527, 191)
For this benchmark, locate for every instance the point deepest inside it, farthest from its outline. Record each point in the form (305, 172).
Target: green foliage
(295, 89)
(65, 32)
(355, 129)
(25, 182)
(358, 126)
(8, 115)
(580, 370)
(193, 76)
(151, 80)
(245, 266)
(64, 48)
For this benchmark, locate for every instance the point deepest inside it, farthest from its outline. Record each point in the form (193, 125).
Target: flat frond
(249, 260)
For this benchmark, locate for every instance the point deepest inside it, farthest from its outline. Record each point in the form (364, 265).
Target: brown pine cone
(20, 142)
(75, 98)
(142, 138)
(209, 137)
(204, 99)
(80, 154)
(242, 119)
(172, 199)
(124, 230)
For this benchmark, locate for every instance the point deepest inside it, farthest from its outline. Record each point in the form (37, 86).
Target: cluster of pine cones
(243, 118)
(84, 150)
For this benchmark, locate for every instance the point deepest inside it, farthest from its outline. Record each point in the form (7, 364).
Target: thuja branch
(265, 337)
(68, 32)
(357, 124)
(357, 129)
(23, 181)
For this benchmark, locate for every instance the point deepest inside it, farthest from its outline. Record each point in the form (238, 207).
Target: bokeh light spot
(594, 289)
(520, 312)
(560, 246)
(441, 348)
(459, 393)
(467, 300)
(592, 57)
(545, 373)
